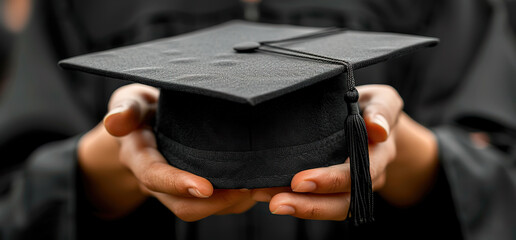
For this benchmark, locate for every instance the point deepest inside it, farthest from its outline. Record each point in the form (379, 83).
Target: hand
(120, 172)
(324, 193)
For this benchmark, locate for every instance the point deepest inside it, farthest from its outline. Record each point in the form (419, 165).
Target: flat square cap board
(255, 117)
(204, 62)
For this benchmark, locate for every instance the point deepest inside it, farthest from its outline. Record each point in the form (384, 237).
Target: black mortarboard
(246, 113)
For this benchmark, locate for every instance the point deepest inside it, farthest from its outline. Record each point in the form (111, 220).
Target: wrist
(411, 175)
(109, 186)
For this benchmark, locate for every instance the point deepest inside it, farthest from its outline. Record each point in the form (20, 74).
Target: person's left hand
(121, 166)
(324, 193)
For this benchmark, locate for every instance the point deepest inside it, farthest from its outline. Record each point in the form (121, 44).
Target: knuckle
(145, 179)
(148, 178)
(389, 152)
(174, 184)
(335, 182)
(390, 89)
(118, 94)
(397, 97)
(312, 212)
(123, 155)
(128, 155)
(401, 103)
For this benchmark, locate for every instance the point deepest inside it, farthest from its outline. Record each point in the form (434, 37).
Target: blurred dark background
(511, 6)
(13, 15)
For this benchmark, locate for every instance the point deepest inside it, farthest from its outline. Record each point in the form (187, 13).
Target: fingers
(311, 206)
(190, 197)
(324, 193)
(336, 178)
(129, 107)
(333, 179)
(381, 155)
(139, 154)
(193, 209)
(382, 106)
(266, 194)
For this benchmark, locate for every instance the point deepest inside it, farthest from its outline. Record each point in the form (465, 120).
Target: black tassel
(361, 205)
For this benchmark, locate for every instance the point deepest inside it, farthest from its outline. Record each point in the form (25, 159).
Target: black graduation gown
(463, 85)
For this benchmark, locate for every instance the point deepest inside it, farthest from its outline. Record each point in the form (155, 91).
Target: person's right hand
(121, 166)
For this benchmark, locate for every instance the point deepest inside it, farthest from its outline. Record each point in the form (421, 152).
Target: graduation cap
(249, 105)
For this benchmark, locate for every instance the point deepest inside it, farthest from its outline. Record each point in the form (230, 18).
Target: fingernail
(196, 193)
(380, 120)
(305, 186)
(116, 110)
(284, 210)
(262, 196)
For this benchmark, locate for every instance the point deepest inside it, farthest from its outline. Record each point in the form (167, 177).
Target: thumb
(123, 118)
(129, 108)
(377, 127)
(382, 106)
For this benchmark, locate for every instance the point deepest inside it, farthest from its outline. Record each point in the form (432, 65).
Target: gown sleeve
(482, 178)
(482, 182)
(40, 202)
